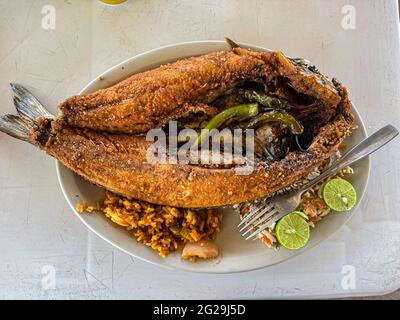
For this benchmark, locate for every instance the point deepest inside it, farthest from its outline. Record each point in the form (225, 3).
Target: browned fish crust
(85, 138)
(150, 99)
(118, 163)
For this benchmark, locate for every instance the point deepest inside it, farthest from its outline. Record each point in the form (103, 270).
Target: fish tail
(30, 113)
(27, 104)
(17, 127)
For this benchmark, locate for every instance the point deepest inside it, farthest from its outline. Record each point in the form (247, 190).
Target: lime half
(292, 231)
(301, 214)
(339, 194)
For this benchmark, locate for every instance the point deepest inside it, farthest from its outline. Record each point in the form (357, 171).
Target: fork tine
(265, 208)
(273, 219)
(266, 217)
(248, 230)
(250, 227)
(254, 216)
(262, 228)
(250, 214)
(255, 233)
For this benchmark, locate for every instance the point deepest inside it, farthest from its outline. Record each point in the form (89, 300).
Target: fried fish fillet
(151, 99)
(99, 136)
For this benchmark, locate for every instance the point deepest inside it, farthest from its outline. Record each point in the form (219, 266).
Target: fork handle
(360, 151)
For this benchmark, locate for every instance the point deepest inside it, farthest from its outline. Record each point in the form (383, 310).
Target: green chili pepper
(266, 100)
(239, 112)
(294, 126)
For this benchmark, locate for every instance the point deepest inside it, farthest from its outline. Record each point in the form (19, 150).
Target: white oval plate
(236, 253)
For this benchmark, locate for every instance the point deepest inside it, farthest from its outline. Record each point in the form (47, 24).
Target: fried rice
(161, 228)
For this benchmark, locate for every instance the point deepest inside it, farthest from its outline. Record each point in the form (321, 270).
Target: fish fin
(17, 126)
(29, 109)
(27, 105)
(232, 44)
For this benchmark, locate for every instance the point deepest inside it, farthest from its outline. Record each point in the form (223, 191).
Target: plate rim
(182, 267)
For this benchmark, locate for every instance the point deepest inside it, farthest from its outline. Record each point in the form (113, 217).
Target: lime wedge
(292, 231)
(339, 195)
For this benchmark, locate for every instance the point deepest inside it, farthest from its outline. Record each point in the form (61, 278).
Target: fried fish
(100, 136)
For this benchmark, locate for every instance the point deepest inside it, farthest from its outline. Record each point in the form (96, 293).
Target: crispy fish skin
(118, 163)
(151, 99)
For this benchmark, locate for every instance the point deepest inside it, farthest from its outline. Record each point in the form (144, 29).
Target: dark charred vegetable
(239, 112)
(269, 102)
(283, 117)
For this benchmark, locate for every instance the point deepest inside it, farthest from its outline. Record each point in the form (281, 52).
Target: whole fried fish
(99, 135)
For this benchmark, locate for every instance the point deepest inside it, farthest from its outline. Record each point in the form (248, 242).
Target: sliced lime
(339, 195)
(301, 214)
(292, 231)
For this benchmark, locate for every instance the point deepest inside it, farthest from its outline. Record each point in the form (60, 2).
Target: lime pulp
(339, 195)
(292, 231)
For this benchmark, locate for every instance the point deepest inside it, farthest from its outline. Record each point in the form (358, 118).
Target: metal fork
(271, 210)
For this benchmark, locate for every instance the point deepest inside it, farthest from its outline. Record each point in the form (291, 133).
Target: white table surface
(38, 229)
